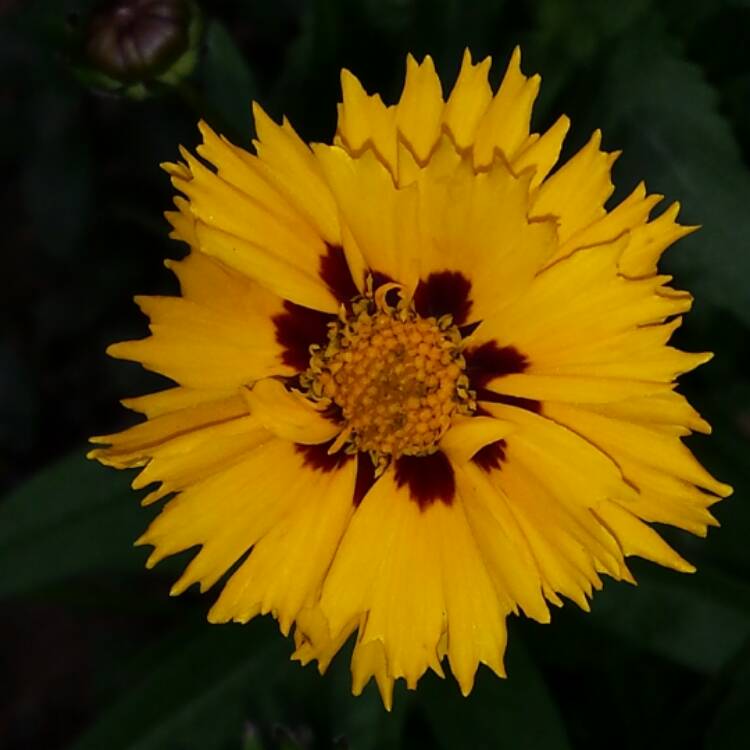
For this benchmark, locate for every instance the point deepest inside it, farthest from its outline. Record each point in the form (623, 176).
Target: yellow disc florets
(398, 378)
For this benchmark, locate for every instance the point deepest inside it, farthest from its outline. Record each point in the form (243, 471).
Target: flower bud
(128, 44)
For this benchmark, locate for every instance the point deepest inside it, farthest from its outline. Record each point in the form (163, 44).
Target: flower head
(423, 378)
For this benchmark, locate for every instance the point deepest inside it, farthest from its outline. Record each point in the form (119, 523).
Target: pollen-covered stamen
(397, 377)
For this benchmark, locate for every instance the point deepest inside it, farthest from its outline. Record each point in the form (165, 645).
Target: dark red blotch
(379, 278)
(365, 477)
(336, 274)
(530, 404)
(444, 293)
(489, 361)
(318, 458)
(429, 478)
(297, 329)
(491, 456)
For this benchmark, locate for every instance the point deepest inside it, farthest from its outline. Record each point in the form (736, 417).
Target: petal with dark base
(489, 361)
(317, 457)
(335, 272)
(530, 404)
(365, 477)
(444, 293)
(491, 456)
(297, 329)
(429, 478)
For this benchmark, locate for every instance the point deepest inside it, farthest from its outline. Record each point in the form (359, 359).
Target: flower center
(397, 377)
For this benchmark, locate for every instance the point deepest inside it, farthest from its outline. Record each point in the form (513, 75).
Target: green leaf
(75, 517)
(228, 84)
(661, 110)
(209, 684)
(361, 722)
(517, 712)
(678, 616)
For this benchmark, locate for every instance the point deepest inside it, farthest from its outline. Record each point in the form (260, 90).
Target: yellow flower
(423, 378)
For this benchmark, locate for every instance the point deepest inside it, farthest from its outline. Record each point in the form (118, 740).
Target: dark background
(94, 653)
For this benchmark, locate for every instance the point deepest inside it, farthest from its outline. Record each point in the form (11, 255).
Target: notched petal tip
(215, 618)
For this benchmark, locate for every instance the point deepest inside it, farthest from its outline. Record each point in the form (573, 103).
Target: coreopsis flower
(423, 378)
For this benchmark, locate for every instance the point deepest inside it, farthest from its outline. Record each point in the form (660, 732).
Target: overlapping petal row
(576, 441)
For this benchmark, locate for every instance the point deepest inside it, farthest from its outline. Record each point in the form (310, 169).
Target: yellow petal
(223, 321)
(272, 270)
(558, 320)
(542, 153)
(288, 415)
(477, 225)
(134, 446)
(577, 191)
(383, 226)
(505, 550)
(287, 164)
(174, 399)
(385, 567)
(369, 660)
(637, 353)
(312, 638)
(560, 540)
(475, 614)
(562, 457)
(468, 434)
(650, 447)
(218, 204)
(287, 566)
(364, 120)
(574, 388)
(419, 112)
(670, 412)
(176, 169)
(505, 125)
(468, 101)
(244, 172)
(638, 539)
(664, 498)
(182, 222)
(189, 458)
(649, 241)
(626, 216)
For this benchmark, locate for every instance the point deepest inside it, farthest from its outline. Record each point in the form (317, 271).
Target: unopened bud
(127, 45)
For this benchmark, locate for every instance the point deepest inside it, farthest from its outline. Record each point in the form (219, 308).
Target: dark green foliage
(96, 654)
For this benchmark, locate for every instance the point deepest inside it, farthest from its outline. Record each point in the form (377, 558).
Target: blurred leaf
(730, 728)
(580, 28)
(228, 83)
(73, 518)
(564, 46)
(361, 722)
(517, 712)
(200, 694)
(661, 110)
(694, 18)
(679, 617)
